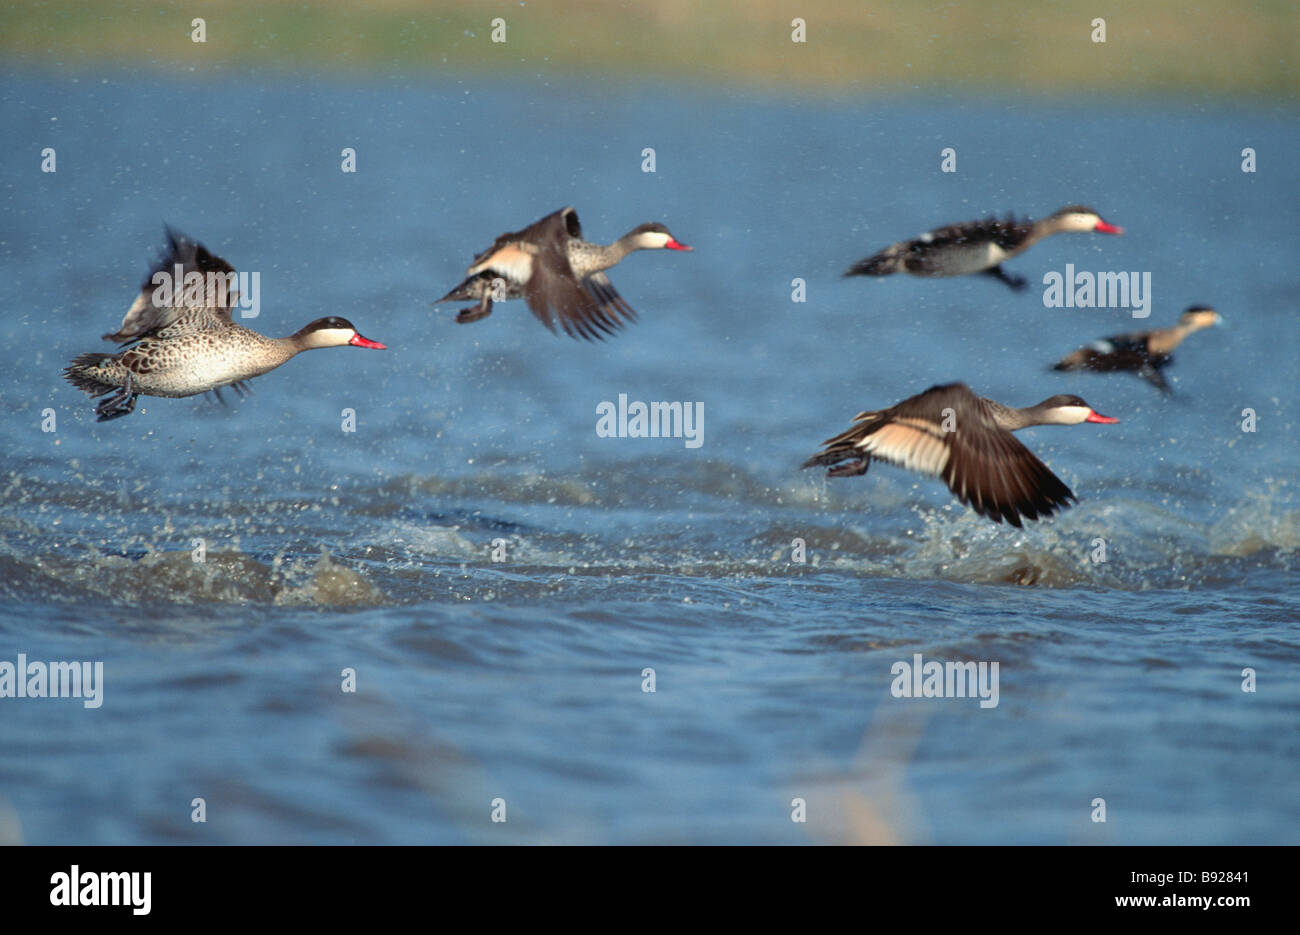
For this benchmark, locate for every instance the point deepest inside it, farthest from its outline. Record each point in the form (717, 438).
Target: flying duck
(978, 246)
(558, 273)
(950, 433)
(181, 341)
(1145, 353)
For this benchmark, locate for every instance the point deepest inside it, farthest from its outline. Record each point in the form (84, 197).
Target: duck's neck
(1045, 227)
(272, 352)
(296, 343)
(1014, 419)
(587, 258)
(1006, 417)
(1162, 342)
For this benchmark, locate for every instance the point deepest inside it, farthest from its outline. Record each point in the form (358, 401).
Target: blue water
(522, 679)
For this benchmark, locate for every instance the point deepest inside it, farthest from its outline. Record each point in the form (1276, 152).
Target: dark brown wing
(1151, 373)
(555, 226)
(612, 311)
(910, 431)
(536, 260)
(1007, 233)
(950, 433)
(989, 470)
(1101, 361)
(590, 308)
(162, 300)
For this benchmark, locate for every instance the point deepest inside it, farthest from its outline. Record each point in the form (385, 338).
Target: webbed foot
(121, 403)
(475, 312)
(1018, 283)
(850, 468)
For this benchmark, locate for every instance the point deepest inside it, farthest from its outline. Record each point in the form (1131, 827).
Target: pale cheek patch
(332, 336)
(1073, 414)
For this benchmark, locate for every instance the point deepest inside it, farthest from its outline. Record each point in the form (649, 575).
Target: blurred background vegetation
(1157, 47)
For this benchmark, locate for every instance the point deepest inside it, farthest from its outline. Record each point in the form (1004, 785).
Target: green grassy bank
(1230, 47)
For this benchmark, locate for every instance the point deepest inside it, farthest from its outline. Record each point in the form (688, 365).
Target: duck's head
(1200, 316)
(1082, 219)
(333, 332)
(1066, 409)
(655, 237)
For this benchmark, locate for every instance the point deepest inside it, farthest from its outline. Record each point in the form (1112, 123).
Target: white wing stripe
(909, 447)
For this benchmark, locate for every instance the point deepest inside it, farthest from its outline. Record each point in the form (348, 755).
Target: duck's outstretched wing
(950, 433)
(163, 298)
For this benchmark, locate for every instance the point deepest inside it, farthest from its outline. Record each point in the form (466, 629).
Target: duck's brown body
(965, 439)
(180, 349)
(1145, 353)
(978, 246)
(193, 355)
(559, 274)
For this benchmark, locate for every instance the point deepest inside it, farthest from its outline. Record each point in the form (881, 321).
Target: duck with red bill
(979, 246)
(560, 275)
(184, 343)
(950, 433)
